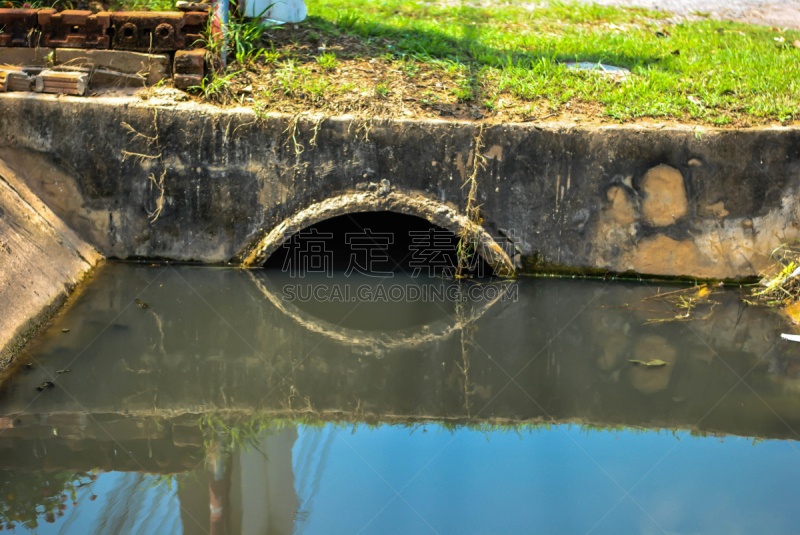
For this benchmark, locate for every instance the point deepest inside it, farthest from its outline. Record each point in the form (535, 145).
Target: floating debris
(781, 283)
(686, 301)
(791, 337)
(63, 371)
(654, 363)
(64, 330)
(29, 366)
(46, 384)
(141, 303)
(680, 305)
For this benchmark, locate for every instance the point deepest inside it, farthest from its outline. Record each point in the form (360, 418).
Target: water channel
(200, 400)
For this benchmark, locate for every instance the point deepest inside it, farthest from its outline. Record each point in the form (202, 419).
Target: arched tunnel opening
(374, 243)
(380, 251)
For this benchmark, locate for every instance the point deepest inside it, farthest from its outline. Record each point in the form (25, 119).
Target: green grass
(141, 5)
(505, 62)
(327, 61)
(708, 71)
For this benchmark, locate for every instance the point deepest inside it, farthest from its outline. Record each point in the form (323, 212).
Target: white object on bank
(281, 10)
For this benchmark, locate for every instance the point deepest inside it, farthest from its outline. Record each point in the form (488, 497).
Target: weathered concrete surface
(41, 261)
(383, 201)
(151, 67)
(24, 56)
(664, 202)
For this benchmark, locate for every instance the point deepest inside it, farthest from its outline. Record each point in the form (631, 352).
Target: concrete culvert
(325, 226)
(375, 243)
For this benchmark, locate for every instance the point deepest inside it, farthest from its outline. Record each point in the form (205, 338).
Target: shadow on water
(221, 393)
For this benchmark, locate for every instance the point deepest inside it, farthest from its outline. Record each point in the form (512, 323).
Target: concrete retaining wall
(666, 202)
(41, 261)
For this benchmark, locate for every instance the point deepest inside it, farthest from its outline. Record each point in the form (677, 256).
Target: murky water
(215, 405)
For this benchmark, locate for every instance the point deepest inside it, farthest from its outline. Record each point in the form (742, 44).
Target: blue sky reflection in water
(153, 395)
(561, 480)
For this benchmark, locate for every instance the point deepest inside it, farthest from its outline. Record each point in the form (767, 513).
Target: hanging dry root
(139, 157)
(468, 240)
(292, 135)
(159, 183)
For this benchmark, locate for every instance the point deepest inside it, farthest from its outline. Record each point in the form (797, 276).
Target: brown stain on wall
(716, 210)
(496, 151)
(621, 211)
(711, 245)
(664, 196)
(661, 253)
(462, 169)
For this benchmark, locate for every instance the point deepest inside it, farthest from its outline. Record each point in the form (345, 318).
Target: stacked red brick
(74, 29)
(18, 27)
(145, 31)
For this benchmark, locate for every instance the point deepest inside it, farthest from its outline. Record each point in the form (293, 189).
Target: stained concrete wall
(41, 261)
(669, 201)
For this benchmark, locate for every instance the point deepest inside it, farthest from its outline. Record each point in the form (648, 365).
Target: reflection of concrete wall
(581, 370)
(194, 497)
(263, 492)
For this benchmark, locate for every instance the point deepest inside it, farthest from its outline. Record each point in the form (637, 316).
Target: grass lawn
(506, 62)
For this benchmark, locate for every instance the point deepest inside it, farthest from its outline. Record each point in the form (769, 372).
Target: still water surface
(219, 407)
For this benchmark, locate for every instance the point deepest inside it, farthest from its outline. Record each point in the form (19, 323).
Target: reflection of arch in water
(377, 342)
(436, 213)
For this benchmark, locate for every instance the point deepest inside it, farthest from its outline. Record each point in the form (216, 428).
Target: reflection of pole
(219, 490)
(466, 340)
(219, 28)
